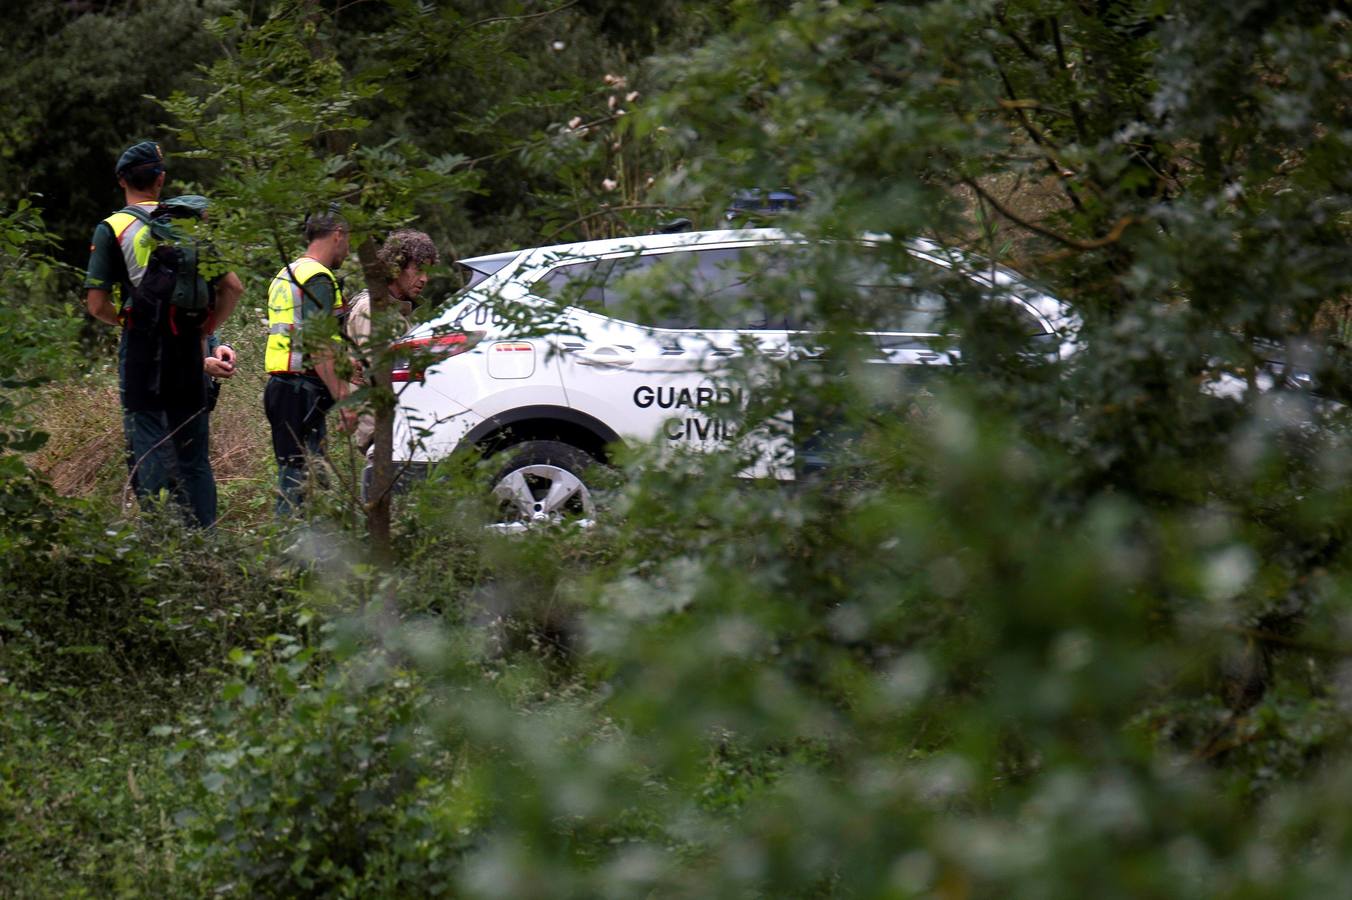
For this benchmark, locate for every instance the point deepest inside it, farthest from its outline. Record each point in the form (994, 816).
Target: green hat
(139, 155)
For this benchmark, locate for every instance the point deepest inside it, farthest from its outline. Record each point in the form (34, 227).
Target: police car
(552, 356)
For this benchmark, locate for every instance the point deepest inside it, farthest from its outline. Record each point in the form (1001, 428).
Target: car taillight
(428, 351)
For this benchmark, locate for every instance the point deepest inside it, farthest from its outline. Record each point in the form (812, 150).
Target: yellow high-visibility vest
(286, 314)
(136, 242)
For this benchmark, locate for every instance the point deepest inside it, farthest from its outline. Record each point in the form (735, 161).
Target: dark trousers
(170, 453)
(169, 450)
(296, 406)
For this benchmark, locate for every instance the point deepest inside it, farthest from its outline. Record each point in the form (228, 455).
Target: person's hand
(226, 354)
(217, 368)
(221, 363)
(347, 420)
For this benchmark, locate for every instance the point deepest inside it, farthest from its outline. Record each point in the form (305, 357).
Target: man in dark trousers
(305, 308)
(161, 367)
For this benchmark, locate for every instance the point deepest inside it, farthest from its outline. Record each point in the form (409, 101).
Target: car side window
(1021, 318)
(903, 305)
(579, 284)
(882, 301)
(924, 313)
(686, 289)
(904, 310)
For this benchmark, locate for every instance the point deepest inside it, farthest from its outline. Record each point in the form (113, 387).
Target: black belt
(302, 381)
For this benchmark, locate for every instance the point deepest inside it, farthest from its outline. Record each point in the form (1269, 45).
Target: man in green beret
(167, 439)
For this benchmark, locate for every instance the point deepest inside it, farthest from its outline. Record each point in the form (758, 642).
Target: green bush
(321, 777)
(85, 800)
(91, 599)
(1052, 630)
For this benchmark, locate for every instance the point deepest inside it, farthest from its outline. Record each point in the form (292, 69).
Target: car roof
(492, 262)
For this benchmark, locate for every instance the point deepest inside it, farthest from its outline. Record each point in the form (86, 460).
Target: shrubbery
(92, 599)
(317, 776)
(1066, 627)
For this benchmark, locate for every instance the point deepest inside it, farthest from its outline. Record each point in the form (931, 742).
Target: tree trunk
(380, 401)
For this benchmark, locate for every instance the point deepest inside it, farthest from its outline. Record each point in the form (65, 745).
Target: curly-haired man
(405, 257)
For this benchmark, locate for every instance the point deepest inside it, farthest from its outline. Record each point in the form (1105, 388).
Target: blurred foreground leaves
(1055, 630)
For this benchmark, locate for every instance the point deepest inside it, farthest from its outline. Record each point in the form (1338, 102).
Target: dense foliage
(1048, 628)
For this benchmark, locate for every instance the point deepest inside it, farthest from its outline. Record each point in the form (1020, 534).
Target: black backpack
(163, 368)
(172, 277)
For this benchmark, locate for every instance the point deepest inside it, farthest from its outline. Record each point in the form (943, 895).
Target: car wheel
(544, 482)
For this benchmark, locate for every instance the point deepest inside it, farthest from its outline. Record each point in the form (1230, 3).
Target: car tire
(545, 482)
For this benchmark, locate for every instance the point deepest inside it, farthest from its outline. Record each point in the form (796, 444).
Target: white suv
(552, 356)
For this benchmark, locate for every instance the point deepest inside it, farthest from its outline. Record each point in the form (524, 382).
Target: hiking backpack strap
(133, 239)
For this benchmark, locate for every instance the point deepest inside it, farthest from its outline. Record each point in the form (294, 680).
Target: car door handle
(605, 357)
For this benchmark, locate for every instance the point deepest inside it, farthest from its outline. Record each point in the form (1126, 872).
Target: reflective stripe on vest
(135, 241)
(286, 313)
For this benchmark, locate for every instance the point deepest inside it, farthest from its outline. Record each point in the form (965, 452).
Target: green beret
(139, 155)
